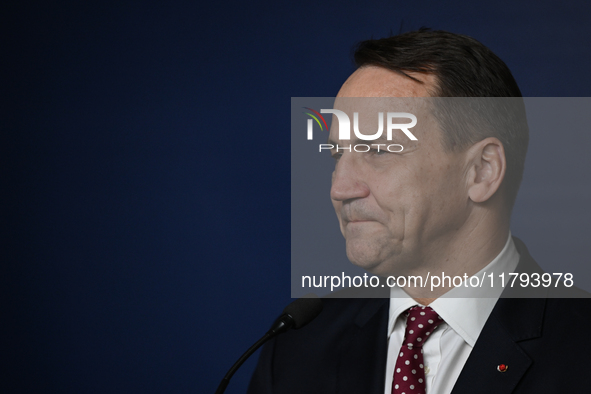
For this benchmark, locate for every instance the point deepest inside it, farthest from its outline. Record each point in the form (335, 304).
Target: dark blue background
(145, 167)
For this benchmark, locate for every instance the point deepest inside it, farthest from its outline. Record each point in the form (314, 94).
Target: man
(442, 204)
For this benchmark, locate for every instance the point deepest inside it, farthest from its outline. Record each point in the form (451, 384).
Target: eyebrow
(381, 140)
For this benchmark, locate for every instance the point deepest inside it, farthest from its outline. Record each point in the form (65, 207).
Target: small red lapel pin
(502, 368)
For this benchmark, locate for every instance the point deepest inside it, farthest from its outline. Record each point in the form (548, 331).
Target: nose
(347, 179)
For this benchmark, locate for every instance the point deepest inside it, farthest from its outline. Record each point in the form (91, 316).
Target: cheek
(417, 195)
(445, 195)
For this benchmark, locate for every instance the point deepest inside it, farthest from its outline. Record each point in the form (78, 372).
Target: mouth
(359, 221)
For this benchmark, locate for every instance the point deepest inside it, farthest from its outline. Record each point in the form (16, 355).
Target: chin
(376, 263)
(366, 259)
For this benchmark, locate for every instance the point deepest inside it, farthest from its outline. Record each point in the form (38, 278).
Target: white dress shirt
(448, 348)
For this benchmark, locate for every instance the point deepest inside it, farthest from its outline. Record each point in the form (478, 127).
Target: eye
(376, 152)
(336, 155)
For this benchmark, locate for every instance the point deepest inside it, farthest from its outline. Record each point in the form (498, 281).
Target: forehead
(373, 81)
(372, 89)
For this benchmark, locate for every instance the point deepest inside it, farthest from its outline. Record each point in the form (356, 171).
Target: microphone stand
(241, 360)
(284, 323)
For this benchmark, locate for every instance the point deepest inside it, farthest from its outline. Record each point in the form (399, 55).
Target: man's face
(397, 211)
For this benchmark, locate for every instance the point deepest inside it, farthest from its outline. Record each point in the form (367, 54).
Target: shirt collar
(461, 308)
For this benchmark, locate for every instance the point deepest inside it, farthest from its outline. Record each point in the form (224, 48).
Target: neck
(463, 254)
(424, 301)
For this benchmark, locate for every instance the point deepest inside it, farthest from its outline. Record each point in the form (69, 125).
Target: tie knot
(421, 322)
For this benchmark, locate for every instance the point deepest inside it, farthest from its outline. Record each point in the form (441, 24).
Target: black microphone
(296, 315)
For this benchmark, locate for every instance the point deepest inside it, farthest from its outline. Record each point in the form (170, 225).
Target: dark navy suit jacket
(545, 342)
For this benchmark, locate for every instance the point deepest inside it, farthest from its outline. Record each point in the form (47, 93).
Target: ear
(487, 169)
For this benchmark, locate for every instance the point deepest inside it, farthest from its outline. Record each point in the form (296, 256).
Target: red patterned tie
(409, 373)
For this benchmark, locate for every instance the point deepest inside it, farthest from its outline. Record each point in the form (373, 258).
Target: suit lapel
(360, 370)
(512, 320)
